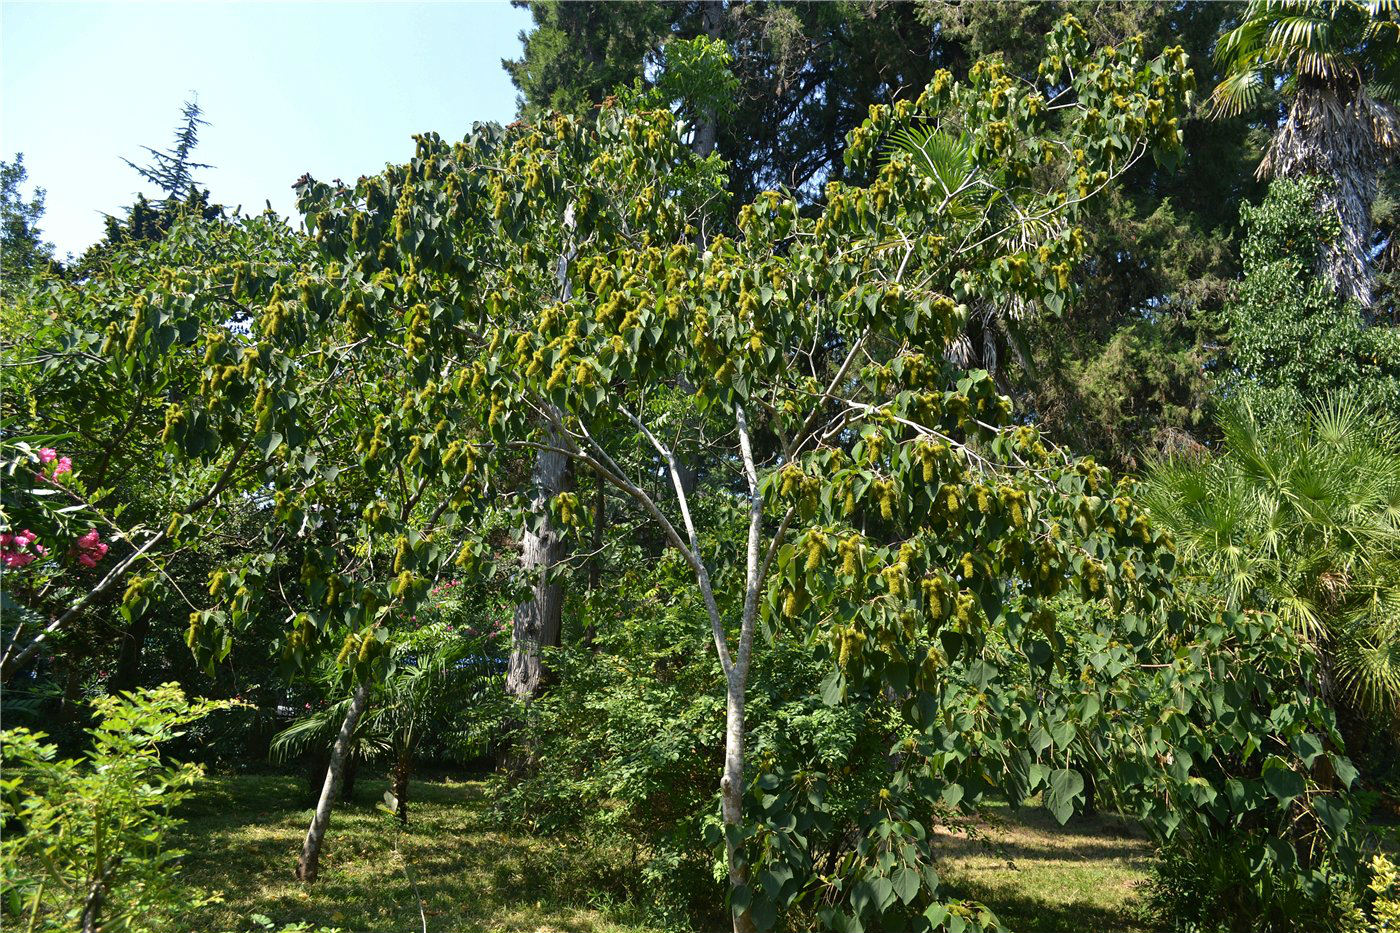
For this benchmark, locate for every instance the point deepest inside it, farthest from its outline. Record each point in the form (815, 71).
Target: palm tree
(439, 685)
(1337, 64)
(1301, 519)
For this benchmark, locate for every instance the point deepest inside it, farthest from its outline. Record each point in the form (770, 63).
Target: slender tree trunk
(403, 768)
(72, 686)
(732, 796)
(129, 660)
(309, 863)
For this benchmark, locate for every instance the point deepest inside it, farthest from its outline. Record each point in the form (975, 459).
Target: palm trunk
(1334, 138)
(309, 863)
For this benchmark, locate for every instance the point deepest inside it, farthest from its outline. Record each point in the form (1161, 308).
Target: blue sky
(334, 89)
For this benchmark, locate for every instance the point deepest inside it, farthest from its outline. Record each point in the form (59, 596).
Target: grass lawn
(1037, 875)
(244, 833)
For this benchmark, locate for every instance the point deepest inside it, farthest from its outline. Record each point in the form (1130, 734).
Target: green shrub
(87, 840)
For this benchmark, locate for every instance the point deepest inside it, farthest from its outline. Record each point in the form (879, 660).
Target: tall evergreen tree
(172, 170)
(808, 73)
(23, 250)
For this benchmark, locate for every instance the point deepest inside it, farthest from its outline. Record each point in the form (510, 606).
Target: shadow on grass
(1034, 915)
(1040, 877)
(243, 835)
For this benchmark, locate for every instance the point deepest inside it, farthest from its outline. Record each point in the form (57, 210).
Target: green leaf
(1346, 772)
(1307, 746)
(906, 883)
(881, 891)
(1065, 784)
(1281, 780)
(764, 914)
(1334, 816)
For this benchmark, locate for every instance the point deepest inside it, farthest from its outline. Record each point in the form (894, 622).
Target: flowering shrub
(48, 502)
(90, 549)
(18, 550)
(49, 544)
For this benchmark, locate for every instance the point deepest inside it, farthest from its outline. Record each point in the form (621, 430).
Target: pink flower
(65, 465)
(90, 548)
(47, 454)
(13, 559)
(5, 539)
(25, 538)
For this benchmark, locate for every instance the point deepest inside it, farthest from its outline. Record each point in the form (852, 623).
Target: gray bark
(1344, 140)
(538, 620)
(707, 123)
(309, 863)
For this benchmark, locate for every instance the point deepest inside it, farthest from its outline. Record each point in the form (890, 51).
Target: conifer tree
(173, 169)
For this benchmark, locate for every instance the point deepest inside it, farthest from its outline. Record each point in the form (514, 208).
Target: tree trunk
(1330, 132)
(706, 123)
(403, 767)
(537, 620)
(309, 863)
(72, 688)
(732, 797)
(129, 660)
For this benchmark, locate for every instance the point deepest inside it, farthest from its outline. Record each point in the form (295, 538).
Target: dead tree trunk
(309, 863)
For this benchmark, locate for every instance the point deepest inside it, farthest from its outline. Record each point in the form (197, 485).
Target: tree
(1292, 339)
(21, 241)
(1298, 516)
(1116, 376)
(1339, 64)
(439, 687)
(814, 347)
(173, 170)
(807, 74)
(114, 369)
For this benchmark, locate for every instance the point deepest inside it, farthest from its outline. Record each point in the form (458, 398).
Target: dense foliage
(725, 449)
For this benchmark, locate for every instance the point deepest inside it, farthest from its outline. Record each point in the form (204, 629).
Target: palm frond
(939, 155)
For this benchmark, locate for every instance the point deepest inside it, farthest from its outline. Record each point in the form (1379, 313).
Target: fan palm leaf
(1301, 519)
